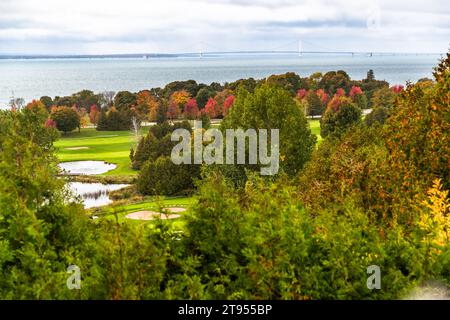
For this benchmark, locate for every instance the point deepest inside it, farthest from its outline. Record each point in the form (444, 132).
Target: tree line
(181, 100)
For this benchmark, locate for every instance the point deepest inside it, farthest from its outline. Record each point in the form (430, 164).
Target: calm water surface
(33, 78)
(94, 194)
(86, 167)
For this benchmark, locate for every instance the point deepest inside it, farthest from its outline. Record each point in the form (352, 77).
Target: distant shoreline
(205, 54)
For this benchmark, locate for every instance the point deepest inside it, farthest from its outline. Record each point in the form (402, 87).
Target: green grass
(153, 204)
(315, 129)
(110, 146)
(149, 204)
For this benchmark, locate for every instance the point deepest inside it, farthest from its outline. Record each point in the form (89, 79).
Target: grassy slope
(113, 147)
(110, 146)
(149, 204)
(315, 128)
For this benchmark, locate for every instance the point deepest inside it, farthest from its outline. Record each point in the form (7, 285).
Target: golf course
(112, 147)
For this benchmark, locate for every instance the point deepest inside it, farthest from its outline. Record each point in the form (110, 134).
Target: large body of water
(33, 78)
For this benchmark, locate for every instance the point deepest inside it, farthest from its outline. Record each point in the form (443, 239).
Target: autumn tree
(383, 101)
(220, 98)
(227, 104)
(66, 119)
(358, 97)
(191, 109)
(85, 99)
(301, 94)
(37, 106)
(94, 115)
(180, 98)
(173, 110)
(340, 115)
(289, 81)
(334, 80)
(146, 106)
(211, 108)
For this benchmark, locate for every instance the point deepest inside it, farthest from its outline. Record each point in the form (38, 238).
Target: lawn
(315, 129)
(110, 146)
(149, 204)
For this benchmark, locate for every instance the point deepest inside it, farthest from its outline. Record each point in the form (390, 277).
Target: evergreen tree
(315, 105)
(102, 124)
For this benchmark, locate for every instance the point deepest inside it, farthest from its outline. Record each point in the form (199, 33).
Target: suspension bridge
(297, 47)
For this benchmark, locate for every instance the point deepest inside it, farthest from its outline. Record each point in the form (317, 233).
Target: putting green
(90, 144)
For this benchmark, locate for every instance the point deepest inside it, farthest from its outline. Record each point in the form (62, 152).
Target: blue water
(33, 78)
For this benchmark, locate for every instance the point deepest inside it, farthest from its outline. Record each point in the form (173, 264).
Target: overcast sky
(138, 26)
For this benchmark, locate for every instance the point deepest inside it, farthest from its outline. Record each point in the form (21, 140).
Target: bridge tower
(300, 48)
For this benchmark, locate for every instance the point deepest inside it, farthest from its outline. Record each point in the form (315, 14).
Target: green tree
(289, 81)
(335, 121)
(334, 80)
(124, 100)
(47, 101)
(361, 101)
(384, 98)
(378, 115)
(370, 76)
(86, 99)
(39, 230)
(315, 105)
(66, 119)
(102, 124)
(115, 120)
(163, 177)
(271, 107)
(203, 96)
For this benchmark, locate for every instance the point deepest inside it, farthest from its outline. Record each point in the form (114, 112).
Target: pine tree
(102, 124)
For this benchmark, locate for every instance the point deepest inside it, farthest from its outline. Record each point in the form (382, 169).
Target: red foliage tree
(335, 103)
(397, 88)
(355, 90)
(191, 109)
(227, 104)
(173, 110)
(322, 95)
(94, 114)
(50, 123)
(301, 94)
(340, 92)
(211, 108)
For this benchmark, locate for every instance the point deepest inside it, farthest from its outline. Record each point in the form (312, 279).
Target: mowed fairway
(315, 129)
(90, 144)
(149, 204)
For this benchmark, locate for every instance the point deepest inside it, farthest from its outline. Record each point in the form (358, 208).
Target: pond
(94, 194)
(86, 167)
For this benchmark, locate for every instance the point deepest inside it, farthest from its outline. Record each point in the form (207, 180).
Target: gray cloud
(115, 26)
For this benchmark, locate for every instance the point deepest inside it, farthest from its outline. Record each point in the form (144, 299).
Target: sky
(182, 26)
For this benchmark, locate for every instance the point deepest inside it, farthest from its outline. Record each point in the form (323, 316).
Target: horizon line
(197, 54)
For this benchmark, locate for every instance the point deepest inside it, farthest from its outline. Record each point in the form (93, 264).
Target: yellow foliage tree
(435, 219)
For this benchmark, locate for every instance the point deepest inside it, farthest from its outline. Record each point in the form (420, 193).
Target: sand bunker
(77, 148)
(150, 215)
